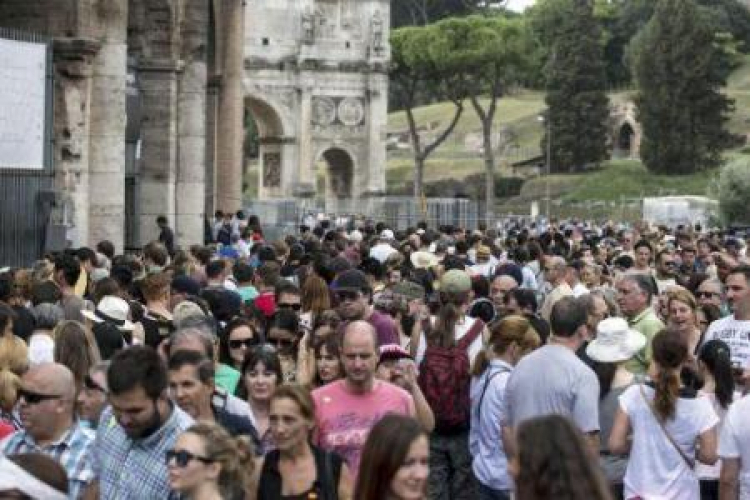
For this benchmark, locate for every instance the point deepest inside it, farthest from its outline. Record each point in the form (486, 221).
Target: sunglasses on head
(181, 458)
(34, 398)
(90, 384)
(294, 307)
(239, 343)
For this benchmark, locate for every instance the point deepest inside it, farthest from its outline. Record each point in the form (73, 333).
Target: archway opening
(263, 140)
(340, 173)
(625, 139)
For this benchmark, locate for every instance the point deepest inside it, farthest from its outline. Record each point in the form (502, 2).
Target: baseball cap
(392, 352)
(186, 285)
(352, 279)
(409, 289)
(455, 281)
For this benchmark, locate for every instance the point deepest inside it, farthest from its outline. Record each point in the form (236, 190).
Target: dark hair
(525, 298)
(742, 269)
(156, 252)
(286, 286)
(556, 462)
(7, 314)
(384, 453)
(85, 254)
(107, 248)
(224, 335)
(645, 244)
(669, 351)
(103, 287)
(284, 320)
(70, 267)
(332, 343)
(137, 366)
(480, 285)
(215, 268)
(204, 367)
(605, 372)
(442, 333)
(242, 272)
(568, 315)
(43, 468)
(715, 354)
(265, 355)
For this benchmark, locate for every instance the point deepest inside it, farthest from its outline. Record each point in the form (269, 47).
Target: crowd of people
(560, 360)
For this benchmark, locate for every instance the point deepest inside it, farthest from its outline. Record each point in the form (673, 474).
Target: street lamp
(545, 119)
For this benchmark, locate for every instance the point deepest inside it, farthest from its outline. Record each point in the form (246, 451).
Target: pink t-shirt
(344, 419)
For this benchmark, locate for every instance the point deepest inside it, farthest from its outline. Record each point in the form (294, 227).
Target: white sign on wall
(22, 102)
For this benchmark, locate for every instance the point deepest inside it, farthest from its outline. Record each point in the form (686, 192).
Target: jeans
(451, 477)
(487, 493)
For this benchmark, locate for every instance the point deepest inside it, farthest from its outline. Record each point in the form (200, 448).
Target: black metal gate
(27, 196)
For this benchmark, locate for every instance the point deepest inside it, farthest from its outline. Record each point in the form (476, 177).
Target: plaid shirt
(135, 469)
(72, 451)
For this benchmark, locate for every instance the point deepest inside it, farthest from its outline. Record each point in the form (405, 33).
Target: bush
(734, 191)
(470, 187)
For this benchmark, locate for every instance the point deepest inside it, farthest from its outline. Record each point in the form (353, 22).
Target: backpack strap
(471, 335)
(487, 384)
(688, 461)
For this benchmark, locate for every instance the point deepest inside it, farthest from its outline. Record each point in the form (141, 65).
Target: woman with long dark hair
(261, 375)
(670, 425)
(395, 461)
(553, 461)
(715, 366)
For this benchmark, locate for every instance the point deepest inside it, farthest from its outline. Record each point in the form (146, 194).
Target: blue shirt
(135, 469)
(490, 463)
(72, 451)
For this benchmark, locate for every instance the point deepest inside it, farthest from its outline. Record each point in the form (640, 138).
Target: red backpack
(445, 379)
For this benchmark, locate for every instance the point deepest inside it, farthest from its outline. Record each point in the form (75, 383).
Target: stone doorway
(270, 130)
(625, 139)
(339, 177)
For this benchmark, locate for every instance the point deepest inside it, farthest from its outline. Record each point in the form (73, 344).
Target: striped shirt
(135, 469)
(72, 451)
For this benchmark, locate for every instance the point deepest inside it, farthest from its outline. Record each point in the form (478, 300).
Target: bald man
(346, 410)
(555, 270)
(46, 402)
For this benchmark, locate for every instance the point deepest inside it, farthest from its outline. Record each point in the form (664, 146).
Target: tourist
(47, 409)
(92, 398)
(328, 365)
(510, 339)
(683, 317)
(711, 291)
(554, 273)
(76, 349)
(283, 333)
(670, 427)
(554, 462)
(66, 273)
(34, 476)
(261, 375)
(615, 344)
(643, 253)
(191, 384)
(346, 410)
(665, 271)
(715, 365)
(355, 303)
(735, 329)
(734, 450)
(298, 469)
(157, 318)
(553, 380)
(395, 461)
(206, 463)
(634, 296)
(111, 325)
(236, 339)
(139, 427)
(41, 342)
(500, 287)
(166, 235)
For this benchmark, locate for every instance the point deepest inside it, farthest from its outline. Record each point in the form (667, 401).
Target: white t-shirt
(736, 334)
(462, 328)
(734, 441)
(656, 470)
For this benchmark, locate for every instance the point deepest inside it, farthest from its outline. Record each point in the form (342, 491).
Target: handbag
(689, 461)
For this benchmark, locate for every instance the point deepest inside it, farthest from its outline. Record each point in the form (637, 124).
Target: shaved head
(51, 378)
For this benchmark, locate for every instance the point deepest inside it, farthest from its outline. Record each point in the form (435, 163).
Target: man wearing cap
(484, 265)
(355, 303)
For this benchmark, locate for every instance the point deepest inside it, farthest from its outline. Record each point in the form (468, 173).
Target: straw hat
(615, 341)
(423, 260)
(112, 310)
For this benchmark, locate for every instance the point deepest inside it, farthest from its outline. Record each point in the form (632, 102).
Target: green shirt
(227, 378)
(649, 325)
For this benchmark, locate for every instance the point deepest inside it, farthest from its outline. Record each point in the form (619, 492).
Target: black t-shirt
(24, 324)
(325, 486)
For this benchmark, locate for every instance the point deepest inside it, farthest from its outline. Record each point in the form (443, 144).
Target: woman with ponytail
(671, 427)
(206, 463)
(715, 366)
(510, 339)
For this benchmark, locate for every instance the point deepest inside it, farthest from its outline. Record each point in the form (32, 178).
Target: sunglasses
(281, 343)
(344, 296)
(240, 343)
(91, 385)
(294, 307)
(706, 295)
(34, 398)
(181, 458)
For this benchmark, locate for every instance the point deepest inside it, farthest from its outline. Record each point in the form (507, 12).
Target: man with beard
(136, 431)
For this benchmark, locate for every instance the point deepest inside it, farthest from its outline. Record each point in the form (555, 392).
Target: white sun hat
(112, 310)
(423, 260)
(615, 342)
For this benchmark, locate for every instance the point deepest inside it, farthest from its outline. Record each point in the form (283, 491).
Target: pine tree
(678, 65)
(578, 108)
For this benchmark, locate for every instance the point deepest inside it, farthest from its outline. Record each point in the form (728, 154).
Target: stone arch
(341, 168)
(273, 156)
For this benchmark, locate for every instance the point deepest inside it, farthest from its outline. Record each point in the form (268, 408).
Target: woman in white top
(667, 421)
(510, 340)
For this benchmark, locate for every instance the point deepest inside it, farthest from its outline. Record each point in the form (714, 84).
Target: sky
(519, 5)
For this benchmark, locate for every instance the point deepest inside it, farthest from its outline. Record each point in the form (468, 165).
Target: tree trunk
(419, 161)
(489, 172)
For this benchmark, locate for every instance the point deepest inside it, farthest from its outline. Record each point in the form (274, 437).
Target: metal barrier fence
(27, 196)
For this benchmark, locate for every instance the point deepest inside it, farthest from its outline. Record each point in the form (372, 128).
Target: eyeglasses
(34, 398)
(91, 385)
(240, 343)
(294, 307)
(706, 295)
(182, 458)
(346, 295)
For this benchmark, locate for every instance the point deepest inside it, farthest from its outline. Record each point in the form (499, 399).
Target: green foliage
(734, 191)
(576, 98)
(677, 62)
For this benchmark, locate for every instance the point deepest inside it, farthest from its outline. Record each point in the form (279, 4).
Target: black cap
(352, 279)
(186, 285)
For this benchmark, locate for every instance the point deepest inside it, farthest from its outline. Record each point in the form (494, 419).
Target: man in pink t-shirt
(346, 410)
